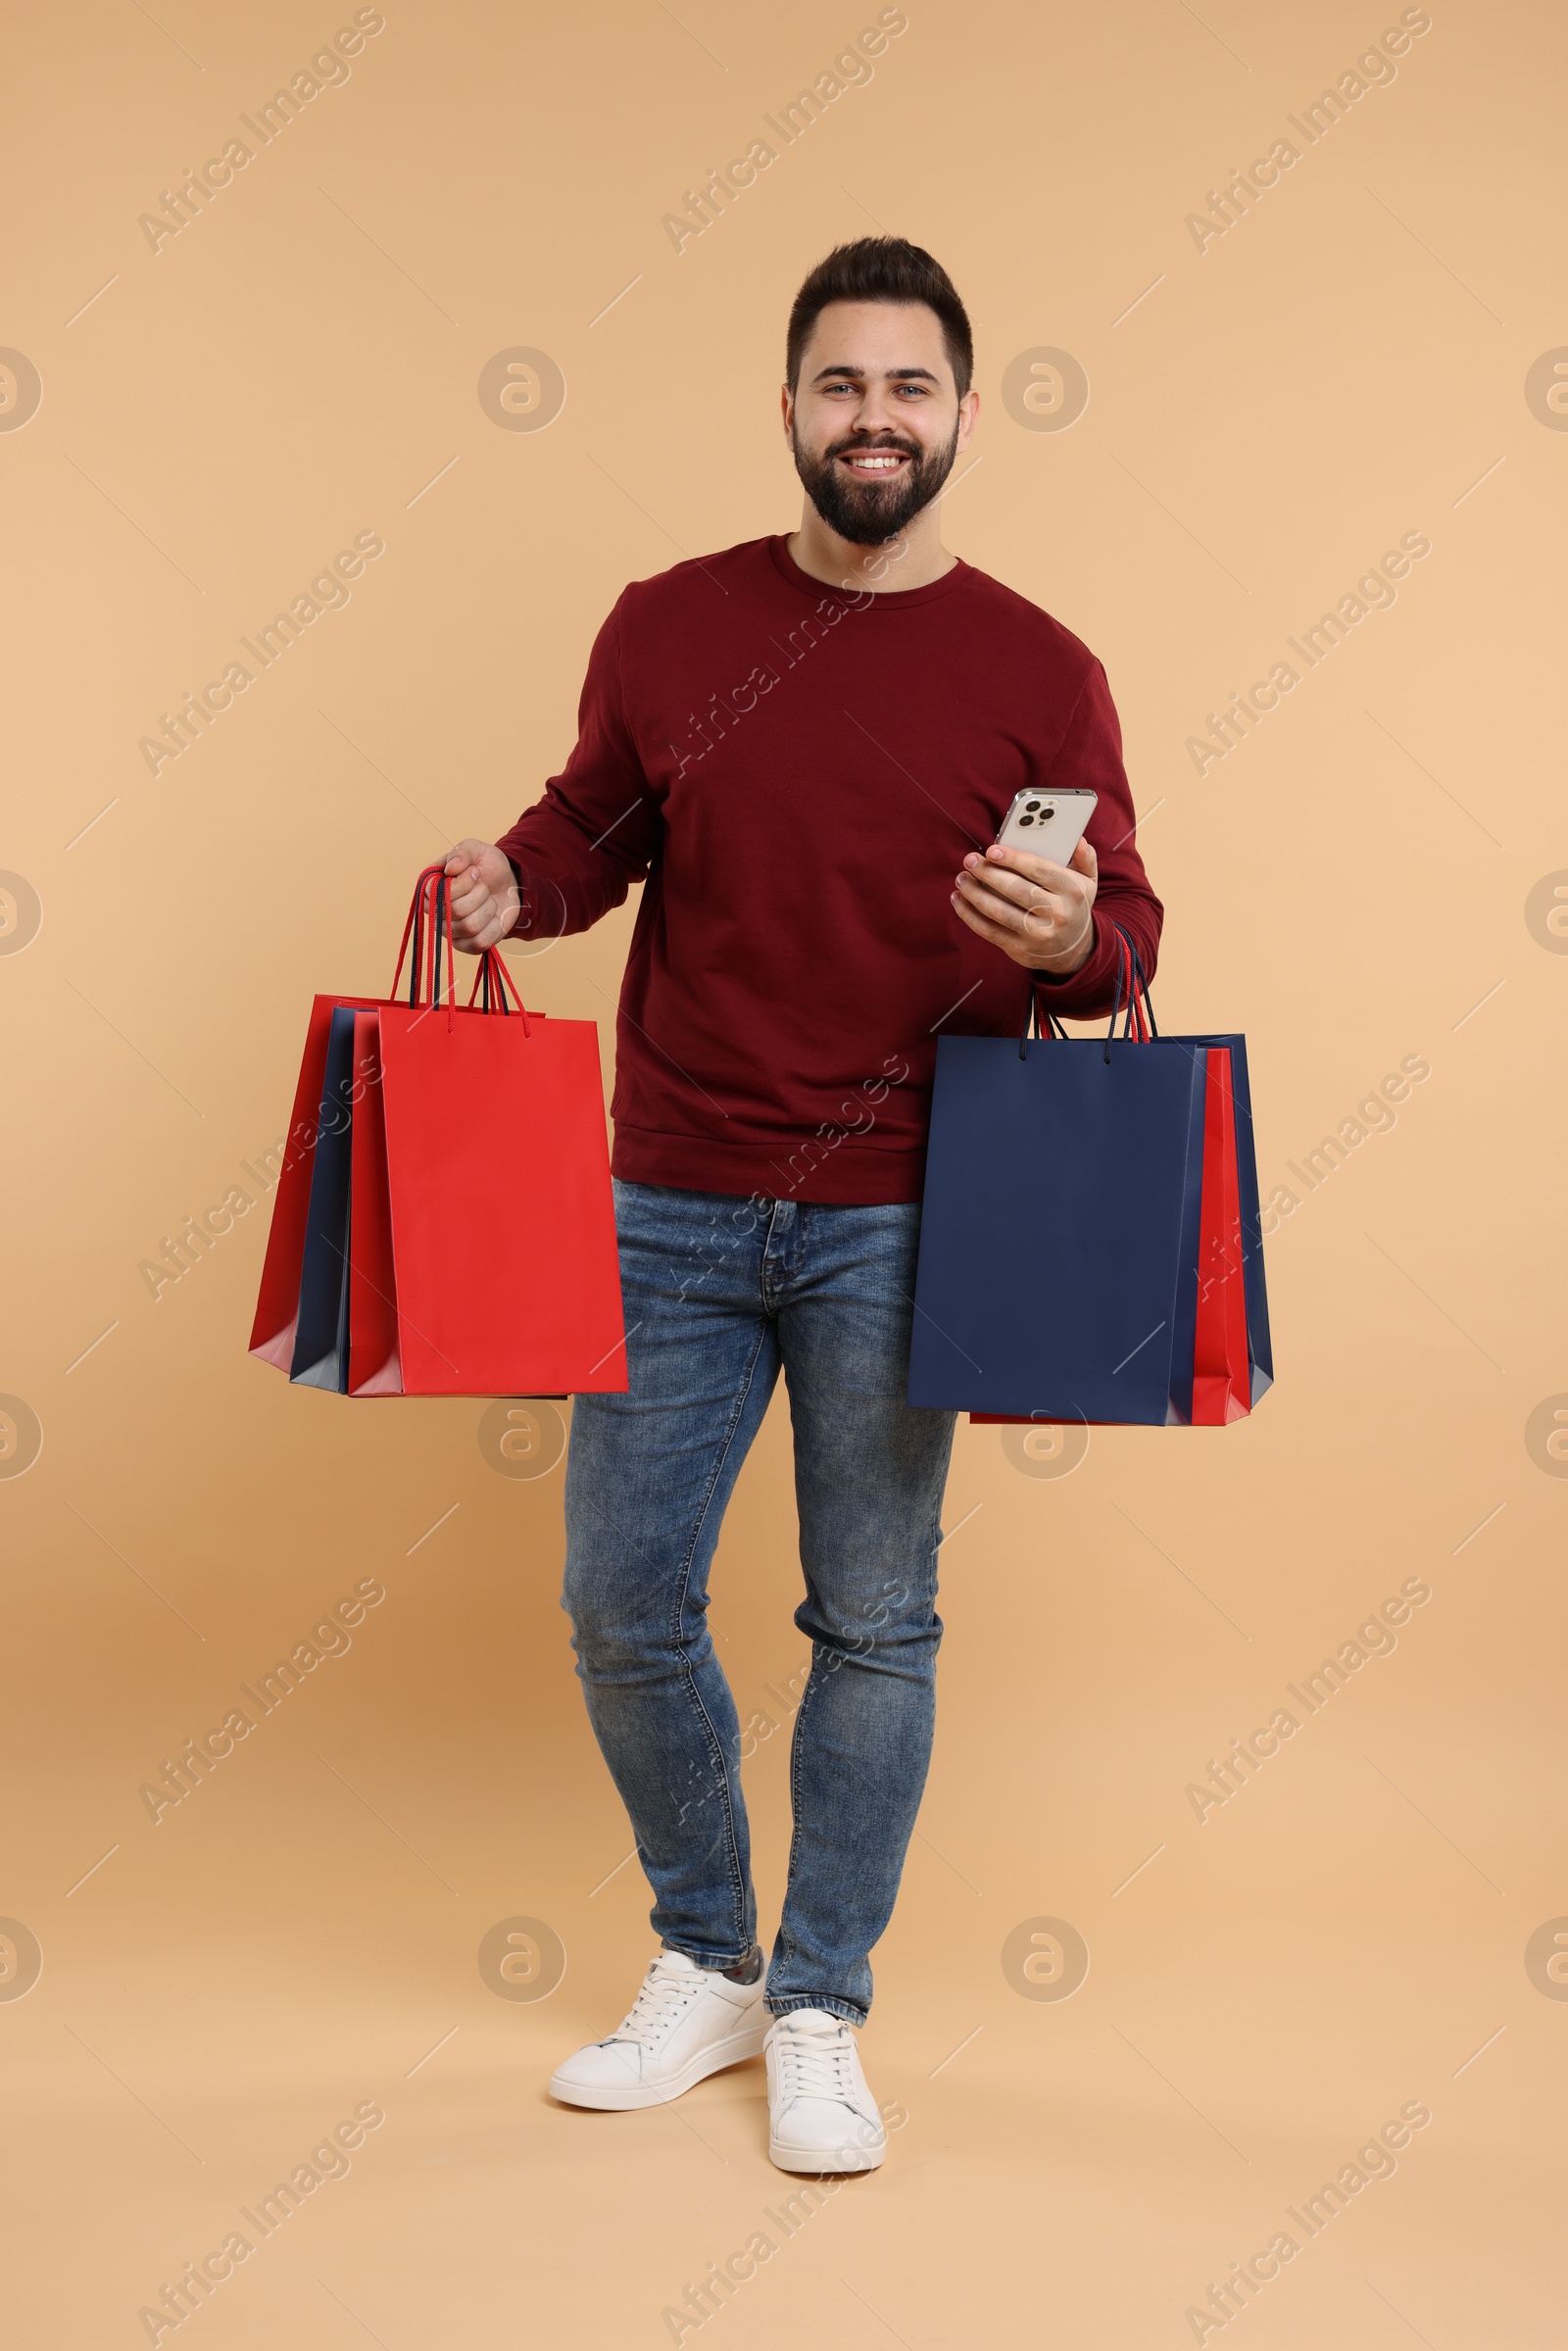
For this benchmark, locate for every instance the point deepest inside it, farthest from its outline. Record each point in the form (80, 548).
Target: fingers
(983, 926)
(1030, 938)
(1032, 908)
(1010, 898)
(1020, 874)
(1025, 861)
(478, 916)
(475, 944)
(1029, 896)
(484, 929)
(472, 899)
(484, 896)
(483, 866)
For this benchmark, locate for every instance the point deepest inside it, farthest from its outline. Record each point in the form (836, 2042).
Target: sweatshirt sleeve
(1090, 758)
(596, 830)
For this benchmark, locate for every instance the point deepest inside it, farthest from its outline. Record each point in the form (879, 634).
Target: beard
(870, 509)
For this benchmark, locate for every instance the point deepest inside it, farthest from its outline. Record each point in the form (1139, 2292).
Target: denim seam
(689, 1679)
(844, 2009)
(786, 1939)
(709, 1966)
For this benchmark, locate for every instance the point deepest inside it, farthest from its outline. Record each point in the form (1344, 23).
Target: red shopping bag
(375, 1366)
(1221, 1377)
(444, 1222)
(276, 1330)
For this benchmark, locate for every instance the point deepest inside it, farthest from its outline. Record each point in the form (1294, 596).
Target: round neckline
(861, 600)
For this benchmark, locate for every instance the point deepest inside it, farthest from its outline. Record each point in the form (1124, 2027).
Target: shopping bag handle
(428, 894)
(493, 974)
(1140, 1021)
(429, 925)
(1131, 1005)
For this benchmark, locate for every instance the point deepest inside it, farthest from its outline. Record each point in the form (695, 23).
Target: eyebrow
(893, 374)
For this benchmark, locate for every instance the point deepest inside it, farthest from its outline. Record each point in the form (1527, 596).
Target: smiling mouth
(873, 464)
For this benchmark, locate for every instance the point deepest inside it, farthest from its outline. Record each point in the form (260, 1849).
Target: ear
(787, 405)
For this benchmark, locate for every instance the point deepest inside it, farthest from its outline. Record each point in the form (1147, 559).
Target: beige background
(1350, 887)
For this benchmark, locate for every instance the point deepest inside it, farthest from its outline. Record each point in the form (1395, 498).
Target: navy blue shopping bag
(321, 1357)
(1070, 1250)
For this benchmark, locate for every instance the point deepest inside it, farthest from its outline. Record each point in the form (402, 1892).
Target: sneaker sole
(823, 2161)
(605, 2100)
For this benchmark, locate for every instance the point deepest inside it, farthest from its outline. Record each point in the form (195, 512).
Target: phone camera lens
(1024, 819)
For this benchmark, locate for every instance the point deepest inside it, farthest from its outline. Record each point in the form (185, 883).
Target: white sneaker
(821, 2116)
(686, 2023)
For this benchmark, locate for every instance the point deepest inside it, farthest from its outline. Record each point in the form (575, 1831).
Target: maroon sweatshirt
(794, 773)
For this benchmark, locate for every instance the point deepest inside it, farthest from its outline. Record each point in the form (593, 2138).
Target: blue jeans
(719, 1292)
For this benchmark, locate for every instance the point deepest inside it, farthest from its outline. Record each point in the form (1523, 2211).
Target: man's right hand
(484, 896)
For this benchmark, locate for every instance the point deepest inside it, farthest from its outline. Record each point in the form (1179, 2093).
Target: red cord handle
(420, 912)
(429, 923)
(493, 971)
(430, 920)
(1131, 991)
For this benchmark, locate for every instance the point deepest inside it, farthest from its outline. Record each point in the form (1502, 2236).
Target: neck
(914, 559)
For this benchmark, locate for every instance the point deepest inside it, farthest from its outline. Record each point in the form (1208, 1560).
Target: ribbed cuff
(1090, 988)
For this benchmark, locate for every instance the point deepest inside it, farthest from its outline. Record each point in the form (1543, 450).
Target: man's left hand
(1037, 912)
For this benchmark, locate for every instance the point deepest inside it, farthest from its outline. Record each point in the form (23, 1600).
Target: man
(803, 747)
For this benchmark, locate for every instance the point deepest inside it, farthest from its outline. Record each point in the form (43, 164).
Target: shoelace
(815, 2059)
(667, 1991)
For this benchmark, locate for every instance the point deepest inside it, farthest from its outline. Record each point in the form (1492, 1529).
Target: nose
(878, 415)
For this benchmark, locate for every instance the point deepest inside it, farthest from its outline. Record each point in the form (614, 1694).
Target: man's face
(875, 421)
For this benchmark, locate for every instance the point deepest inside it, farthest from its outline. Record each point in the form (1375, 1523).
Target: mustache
(882, 446)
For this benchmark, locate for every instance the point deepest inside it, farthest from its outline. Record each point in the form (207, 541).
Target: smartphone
(1049, 823)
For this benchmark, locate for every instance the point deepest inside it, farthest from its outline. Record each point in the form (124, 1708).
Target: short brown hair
(882, 270)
